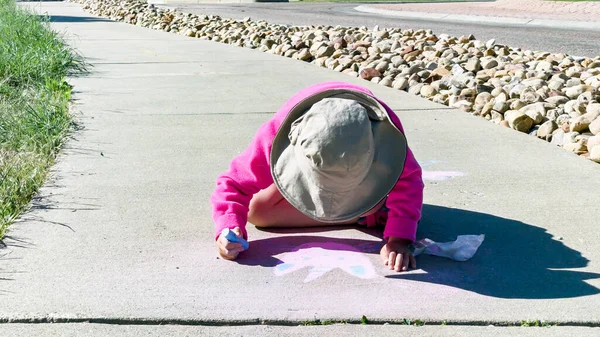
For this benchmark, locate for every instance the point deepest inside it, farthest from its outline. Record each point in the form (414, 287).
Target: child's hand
(396, 255)
(229, 250)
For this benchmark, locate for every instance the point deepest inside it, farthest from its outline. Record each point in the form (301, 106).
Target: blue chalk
(357, 270)
(284, 266)
(232, 237)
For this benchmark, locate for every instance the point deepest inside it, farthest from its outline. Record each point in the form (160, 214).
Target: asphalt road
(580, 43)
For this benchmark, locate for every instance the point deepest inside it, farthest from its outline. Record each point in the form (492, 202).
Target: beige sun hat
(337, 155)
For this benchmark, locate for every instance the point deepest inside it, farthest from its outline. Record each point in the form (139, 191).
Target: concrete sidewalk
(533, 13)
(337, 330)
(122, 233)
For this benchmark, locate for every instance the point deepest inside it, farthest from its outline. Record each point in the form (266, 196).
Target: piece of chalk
(232, 237)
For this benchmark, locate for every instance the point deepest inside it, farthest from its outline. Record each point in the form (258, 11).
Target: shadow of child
(516, 260)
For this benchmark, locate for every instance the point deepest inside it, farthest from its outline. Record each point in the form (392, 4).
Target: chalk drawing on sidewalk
(437, 175)
(323, 257)
(441, 175)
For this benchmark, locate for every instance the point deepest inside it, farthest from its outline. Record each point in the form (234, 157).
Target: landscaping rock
(595, 126)
(575, 91)
(535, 111)
(546, 129)
(595, 154)
(518, 120)
(593, 142)
(577, 148)
(369, 73)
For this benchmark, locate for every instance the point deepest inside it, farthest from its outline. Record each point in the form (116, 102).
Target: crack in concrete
(149, 62)
(275, 322)
(269, 112)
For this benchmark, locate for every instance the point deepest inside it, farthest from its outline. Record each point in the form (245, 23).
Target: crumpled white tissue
(462, 249)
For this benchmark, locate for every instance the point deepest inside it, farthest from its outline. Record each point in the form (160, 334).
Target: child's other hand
(396, 255)
(227, 249)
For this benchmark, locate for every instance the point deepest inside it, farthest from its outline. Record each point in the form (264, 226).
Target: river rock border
(554, 97)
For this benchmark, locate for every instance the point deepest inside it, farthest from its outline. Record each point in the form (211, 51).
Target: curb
(484, 20)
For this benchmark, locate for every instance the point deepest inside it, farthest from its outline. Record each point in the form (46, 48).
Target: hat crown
(336, 138)
(337, 154)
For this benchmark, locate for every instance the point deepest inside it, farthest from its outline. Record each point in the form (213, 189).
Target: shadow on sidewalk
(73, 19)
(6, 275)
(516, 260)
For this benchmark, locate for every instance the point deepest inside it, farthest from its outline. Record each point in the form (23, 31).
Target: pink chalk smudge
(441, 175)
(323, 257)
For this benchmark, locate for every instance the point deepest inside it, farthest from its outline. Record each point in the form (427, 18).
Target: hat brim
(297, 186)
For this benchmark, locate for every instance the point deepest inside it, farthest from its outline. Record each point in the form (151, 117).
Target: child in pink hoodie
(333, 154)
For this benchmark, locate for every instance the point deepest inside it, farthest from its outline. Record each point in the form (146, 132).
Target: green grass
(537, 323)
(34, 98)
(319, 322)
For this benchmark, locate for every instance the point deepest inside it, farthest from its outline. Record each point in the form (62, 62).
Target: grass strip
(34, 111)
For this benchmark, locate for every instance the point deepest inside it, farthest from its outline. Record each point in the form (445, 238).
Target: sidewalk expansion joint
(213, 113)
(273, 112)
(269, 322)
(75, 38)
(425, 109)
(148, 62)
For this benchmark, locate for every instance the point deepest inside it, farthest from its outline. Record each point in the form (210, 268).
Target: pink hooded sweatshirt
(250, 172)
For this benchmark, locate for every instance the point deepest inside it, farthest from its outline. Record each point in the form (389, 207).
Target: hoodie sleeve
(405, 201)
(247, 174)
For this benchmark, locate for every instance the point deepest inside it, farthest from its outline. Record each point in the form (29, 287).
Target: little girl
(332, 155)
